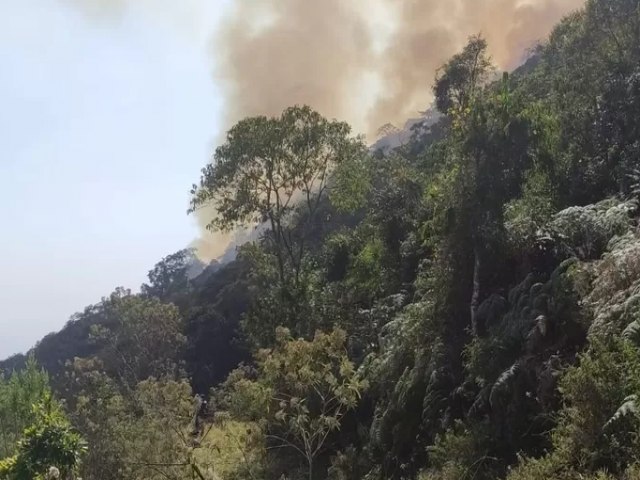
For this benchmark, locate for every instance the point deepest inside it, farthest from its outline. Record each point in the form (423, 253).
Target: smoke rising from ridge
(323, 53)
(368, 62)
(287, 52)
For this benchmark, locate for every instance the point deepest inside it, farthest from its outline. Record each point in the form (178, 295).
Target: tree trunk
(475, 295)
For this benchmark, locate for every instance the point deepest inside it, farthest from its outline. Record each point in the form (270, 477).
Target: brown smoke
(210, 245)
(368, 62)
(308, 52)
(320, 52)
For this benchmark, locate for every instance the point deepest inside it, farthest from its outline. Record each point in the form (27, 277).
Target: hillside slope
(460, 304)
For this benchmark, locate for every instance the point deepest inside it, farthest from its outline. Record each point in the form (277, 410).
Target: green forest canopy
(465, 306)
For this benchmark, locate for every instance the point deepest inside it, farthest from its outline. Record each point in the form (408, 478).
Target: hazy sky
(105, 123)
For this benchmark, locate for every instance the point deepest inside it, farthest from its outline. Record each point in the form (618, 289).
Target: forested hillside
(463, 306)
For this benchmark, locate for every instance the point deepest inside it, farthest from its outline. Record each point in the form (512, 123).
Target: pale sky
(105, 122)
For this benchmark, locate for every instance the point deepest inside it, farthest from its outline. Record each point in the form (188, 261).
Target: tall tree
(169, 280)
(142, 337)
(456, 87)
(459, 79)
(266, 169)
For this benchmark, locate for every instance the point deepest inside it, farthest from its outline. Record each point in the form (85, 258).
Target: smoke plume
(368, 62)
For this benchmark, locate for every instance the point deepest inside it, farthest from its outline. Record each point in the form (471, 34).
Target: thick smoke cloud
(369, 62)
(323, 53)
(273, 54)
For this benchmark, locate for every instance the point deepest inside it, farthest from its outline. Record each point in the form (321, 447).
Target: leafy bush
(300, 394)
(48, 447)
(598, 428)
(586, 231)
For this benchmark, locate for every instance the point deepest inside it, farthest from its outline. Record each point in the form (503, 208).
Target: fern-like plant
(629, 408)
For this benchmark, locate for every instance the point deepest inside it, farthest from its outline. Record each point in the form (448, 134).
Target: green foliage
(170, 278)
(301, 393)
(613, 298)
(278, 171)
(266, 161)
(586, 231)
(100, 412)
(142, 337)
(627, 410)
(412, 384)
(151, 432)
(598, 428)
(236, 450)
(271, 168)
(366, 272)
(49, 447)
(18, 394)
(462, 453)
(481, 283)
(527, 215)
(350, 183)
(461, 77)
